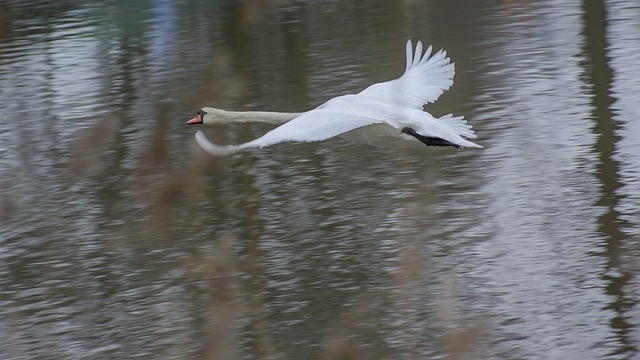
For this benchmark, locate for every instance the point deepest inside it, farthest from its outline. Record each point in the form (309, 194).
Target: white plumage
(389, 109)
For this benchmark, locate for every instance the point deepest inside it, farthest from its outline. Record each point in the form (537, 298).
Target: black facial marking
(200, 114)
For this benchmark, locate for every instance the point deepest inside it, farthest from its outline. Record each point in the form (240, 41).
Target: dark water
(121, 239)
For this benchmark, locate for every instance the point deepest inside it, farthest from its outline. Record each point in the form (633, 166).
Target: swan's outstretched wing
(425, 78)
(314, 125)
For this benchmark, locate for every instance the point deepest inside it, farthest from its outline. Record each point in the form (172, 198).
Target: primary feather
(425, 78)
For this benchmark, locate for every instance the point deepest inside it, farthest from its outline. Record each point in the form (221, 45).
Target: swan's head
(207, 115)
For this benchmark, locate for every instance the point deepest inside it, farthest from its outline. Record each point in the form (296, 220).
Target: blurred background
(121, 239)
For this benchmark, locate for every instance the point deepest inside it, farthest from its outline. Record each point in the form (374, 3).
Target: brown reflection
(3, 23)
(253, 10)
(89, 145)
(224, 301)
(8, 205)
(253, 232)
(518, 8)
(600, 75)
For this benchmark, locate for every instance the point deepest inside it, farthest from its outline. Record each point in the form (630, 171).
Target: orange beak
(195, 120)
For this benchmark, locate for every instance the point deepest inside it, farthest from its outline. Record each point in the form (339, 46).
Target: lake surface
(121, 239)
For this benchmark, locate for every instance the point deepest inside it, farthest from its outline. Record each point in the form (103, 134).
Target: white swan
(389, 109)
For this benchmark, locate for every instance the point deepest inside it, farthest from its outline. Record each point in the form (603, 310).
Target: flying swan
(382, 112)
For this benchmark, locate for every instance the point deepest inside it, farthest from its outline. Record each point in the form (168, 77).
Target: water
(121, 239)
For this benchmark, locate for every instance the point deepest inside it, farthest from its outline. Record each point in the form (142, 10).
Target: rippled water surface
(121, 239)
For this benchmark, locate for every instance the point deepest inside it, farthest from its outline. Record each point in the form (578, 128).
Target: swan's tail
(460, 126)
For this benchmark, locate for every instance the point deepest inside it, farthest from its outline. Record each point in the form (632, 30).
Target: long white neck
(268, 117)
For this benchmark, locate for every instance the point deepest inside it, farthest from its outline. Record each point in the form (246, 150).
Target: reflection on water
(121, 239)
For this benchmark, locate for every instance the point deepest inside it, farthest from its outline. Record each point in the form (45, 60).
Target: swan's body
(389, 109)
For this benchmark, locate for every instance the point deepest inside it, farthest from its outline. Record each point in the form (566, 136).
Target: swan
(382, 112)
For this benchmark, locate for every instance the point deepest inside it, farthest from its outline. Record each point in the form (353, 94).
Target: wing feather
(409, 55)
(425, 78)
(314, 125)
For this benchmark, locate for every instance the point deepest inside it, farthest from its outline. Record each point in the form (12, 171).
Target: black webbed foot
(427, 140)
